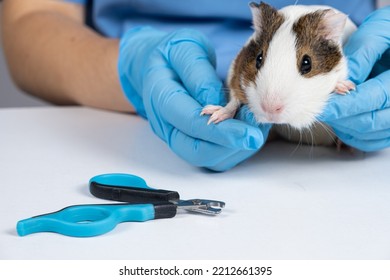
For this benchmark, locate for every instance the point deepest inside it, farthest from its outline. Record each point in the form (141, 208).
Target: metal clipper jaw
(204, 206)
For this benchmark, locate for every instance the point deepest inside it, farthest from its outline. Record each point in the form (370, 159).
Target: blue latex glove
(169, 77)
(362, 118)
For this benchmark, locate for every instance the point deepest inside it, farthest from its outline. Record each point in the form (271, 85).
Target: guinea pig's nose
(272, 108)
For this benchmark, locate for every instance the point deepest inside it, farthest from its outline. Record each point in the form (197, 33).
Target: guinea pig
(288, 69)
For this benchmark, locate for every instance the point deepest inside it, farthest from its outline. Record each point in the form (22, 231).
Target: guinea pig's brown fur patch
(245, 63)
(325, 54)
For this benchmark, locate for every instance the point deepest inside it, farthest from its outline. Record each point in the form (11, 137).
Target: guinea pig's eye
(259, 60)
(305, 65)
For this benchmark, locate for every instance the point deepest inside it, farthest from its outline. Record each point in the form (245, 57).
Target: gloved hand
(169, 77)
(362, 118)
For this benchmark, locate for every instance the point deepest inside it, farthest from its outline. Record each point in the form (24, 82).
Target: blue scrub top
(227, 23)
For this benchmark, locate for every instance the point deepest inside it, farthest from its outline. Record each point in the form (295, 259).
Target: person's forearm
(57, 58)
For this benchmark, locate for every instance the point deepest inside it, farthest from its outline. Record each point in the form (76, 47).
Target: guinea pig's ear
(261, 13)
(256, 16)
(332, 25)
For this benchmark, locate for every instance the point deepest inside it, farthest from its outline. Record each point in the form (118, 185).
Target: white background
(284, 203)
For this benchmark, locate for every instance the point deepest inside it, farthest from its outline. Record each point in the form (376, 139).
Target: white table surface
(284, 203)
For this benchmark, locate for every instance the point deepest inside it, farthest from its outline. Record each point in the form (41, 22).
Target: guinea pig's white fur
(301, 98)
(277, 92)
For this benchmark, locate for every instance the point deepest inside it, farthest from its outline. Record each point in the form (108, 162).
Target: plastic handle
(120, 179)
(88, 220)
(128, 188)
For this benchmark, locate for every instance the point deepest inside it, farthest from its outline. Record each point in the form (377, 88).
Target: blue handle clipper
(143, 204)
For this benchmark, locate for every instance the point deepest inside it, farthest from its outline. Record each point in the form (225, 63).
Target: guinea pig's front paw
(210, 109)
(218, 113)
(344, 87)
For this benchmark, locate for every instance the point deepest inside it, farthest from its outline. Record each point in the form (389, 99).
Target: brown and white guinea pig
(289, 67)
